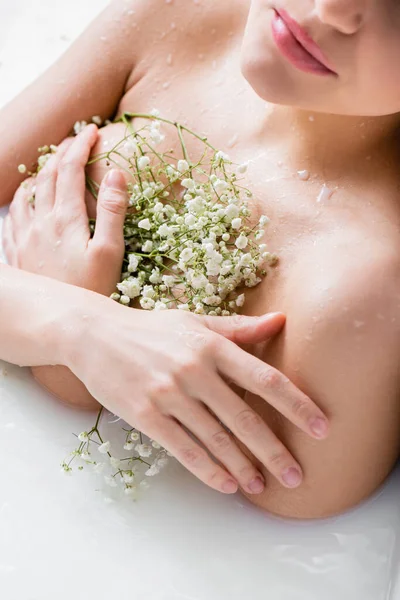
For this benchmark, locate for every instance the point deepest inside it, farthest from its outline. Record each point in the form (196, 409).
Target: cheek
(378, 81)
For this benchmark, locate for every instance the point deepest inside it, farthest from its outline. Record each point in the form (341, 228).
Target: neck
(328, 144)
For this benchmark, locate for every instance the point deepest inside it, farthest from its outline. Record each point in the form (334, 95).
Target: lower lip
(293, 51)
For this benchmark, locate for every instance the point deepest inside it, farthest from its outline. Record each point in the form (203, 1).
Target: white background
(59, 538)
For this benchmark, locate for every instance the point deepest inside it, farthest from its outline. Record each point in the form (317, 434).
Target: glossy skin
(338, 277)
(360, 38)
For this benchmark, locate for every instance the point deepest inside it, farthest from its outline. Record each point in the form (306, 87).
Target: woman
(335, 227)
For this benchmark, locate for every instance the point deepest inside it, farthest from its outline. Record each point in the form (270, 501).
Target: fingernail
(257, 485)
(292, 477)
(230, 486)
(319, 427)
(115, 179)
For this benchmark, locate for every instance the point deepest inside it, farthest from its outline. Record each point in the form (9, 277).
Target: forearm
(36, 318)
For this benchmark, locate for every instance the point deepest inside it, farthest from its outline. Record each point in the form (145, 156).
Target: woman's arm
(89, 79)
(155, 370)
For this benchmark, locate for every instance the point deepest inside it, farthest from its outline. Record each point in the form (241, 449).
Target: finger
(111, 210)
(261, 379)
(245, 330)
(71, 182)
(46, 180)
(21, 208)
(198, 420)
(9, 242)
(252, 431)
(196, 460)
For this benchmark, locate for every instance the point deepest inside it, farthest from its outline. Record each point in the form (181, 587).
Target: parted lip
(305, 39)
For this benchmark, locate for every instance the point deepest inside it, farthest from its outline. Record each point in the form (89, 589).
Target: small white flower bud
(104, 448)
(183, 166)
(143, 162)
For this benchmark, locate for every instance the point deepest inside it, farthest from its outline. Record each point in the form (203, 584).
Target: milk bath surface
(66, 537)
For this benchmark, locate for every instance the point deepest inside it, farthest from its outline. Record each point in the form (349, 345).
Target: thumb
(247, 330)
(112, 203)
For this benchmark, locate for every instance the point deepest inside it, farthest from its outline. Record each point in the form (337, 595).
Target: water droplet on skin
(166, 85)
(200, 56)
(303, 175)
(359, 324)
(311, 118)
(325, 194)
(214, 64)
(41, 264)
(169, 59)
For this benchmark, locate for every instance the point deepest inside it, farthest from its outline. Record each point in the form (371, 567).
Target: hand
(165, 377)
(53, 238)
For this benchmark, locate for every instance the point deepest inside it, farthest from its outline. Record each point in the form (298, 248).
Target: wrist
(75, 325)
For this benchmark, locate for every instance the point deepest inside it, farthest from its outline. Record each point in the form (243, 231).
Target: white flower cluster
(189, 239)
(191, 244)
(130, 471)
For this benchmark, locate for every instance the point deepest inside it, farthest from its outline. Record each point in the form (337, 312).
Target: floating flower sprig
(190, 244)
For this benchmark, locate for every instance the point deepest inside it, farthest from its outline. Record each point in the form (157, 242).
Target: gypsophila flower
(183, 166)
(143, 162)
(240, 300)
(236, 223)
(83, 437)
(154, 470)
(264, 220)
(128, 477)
(144, 450)
(104, 448)
(243, 168)
(241, 242)
(145, 224)
(79, 127)
(134, 436)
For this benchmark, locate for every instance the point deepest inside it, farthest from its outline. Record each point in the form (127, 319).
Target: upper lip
(304, 39)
